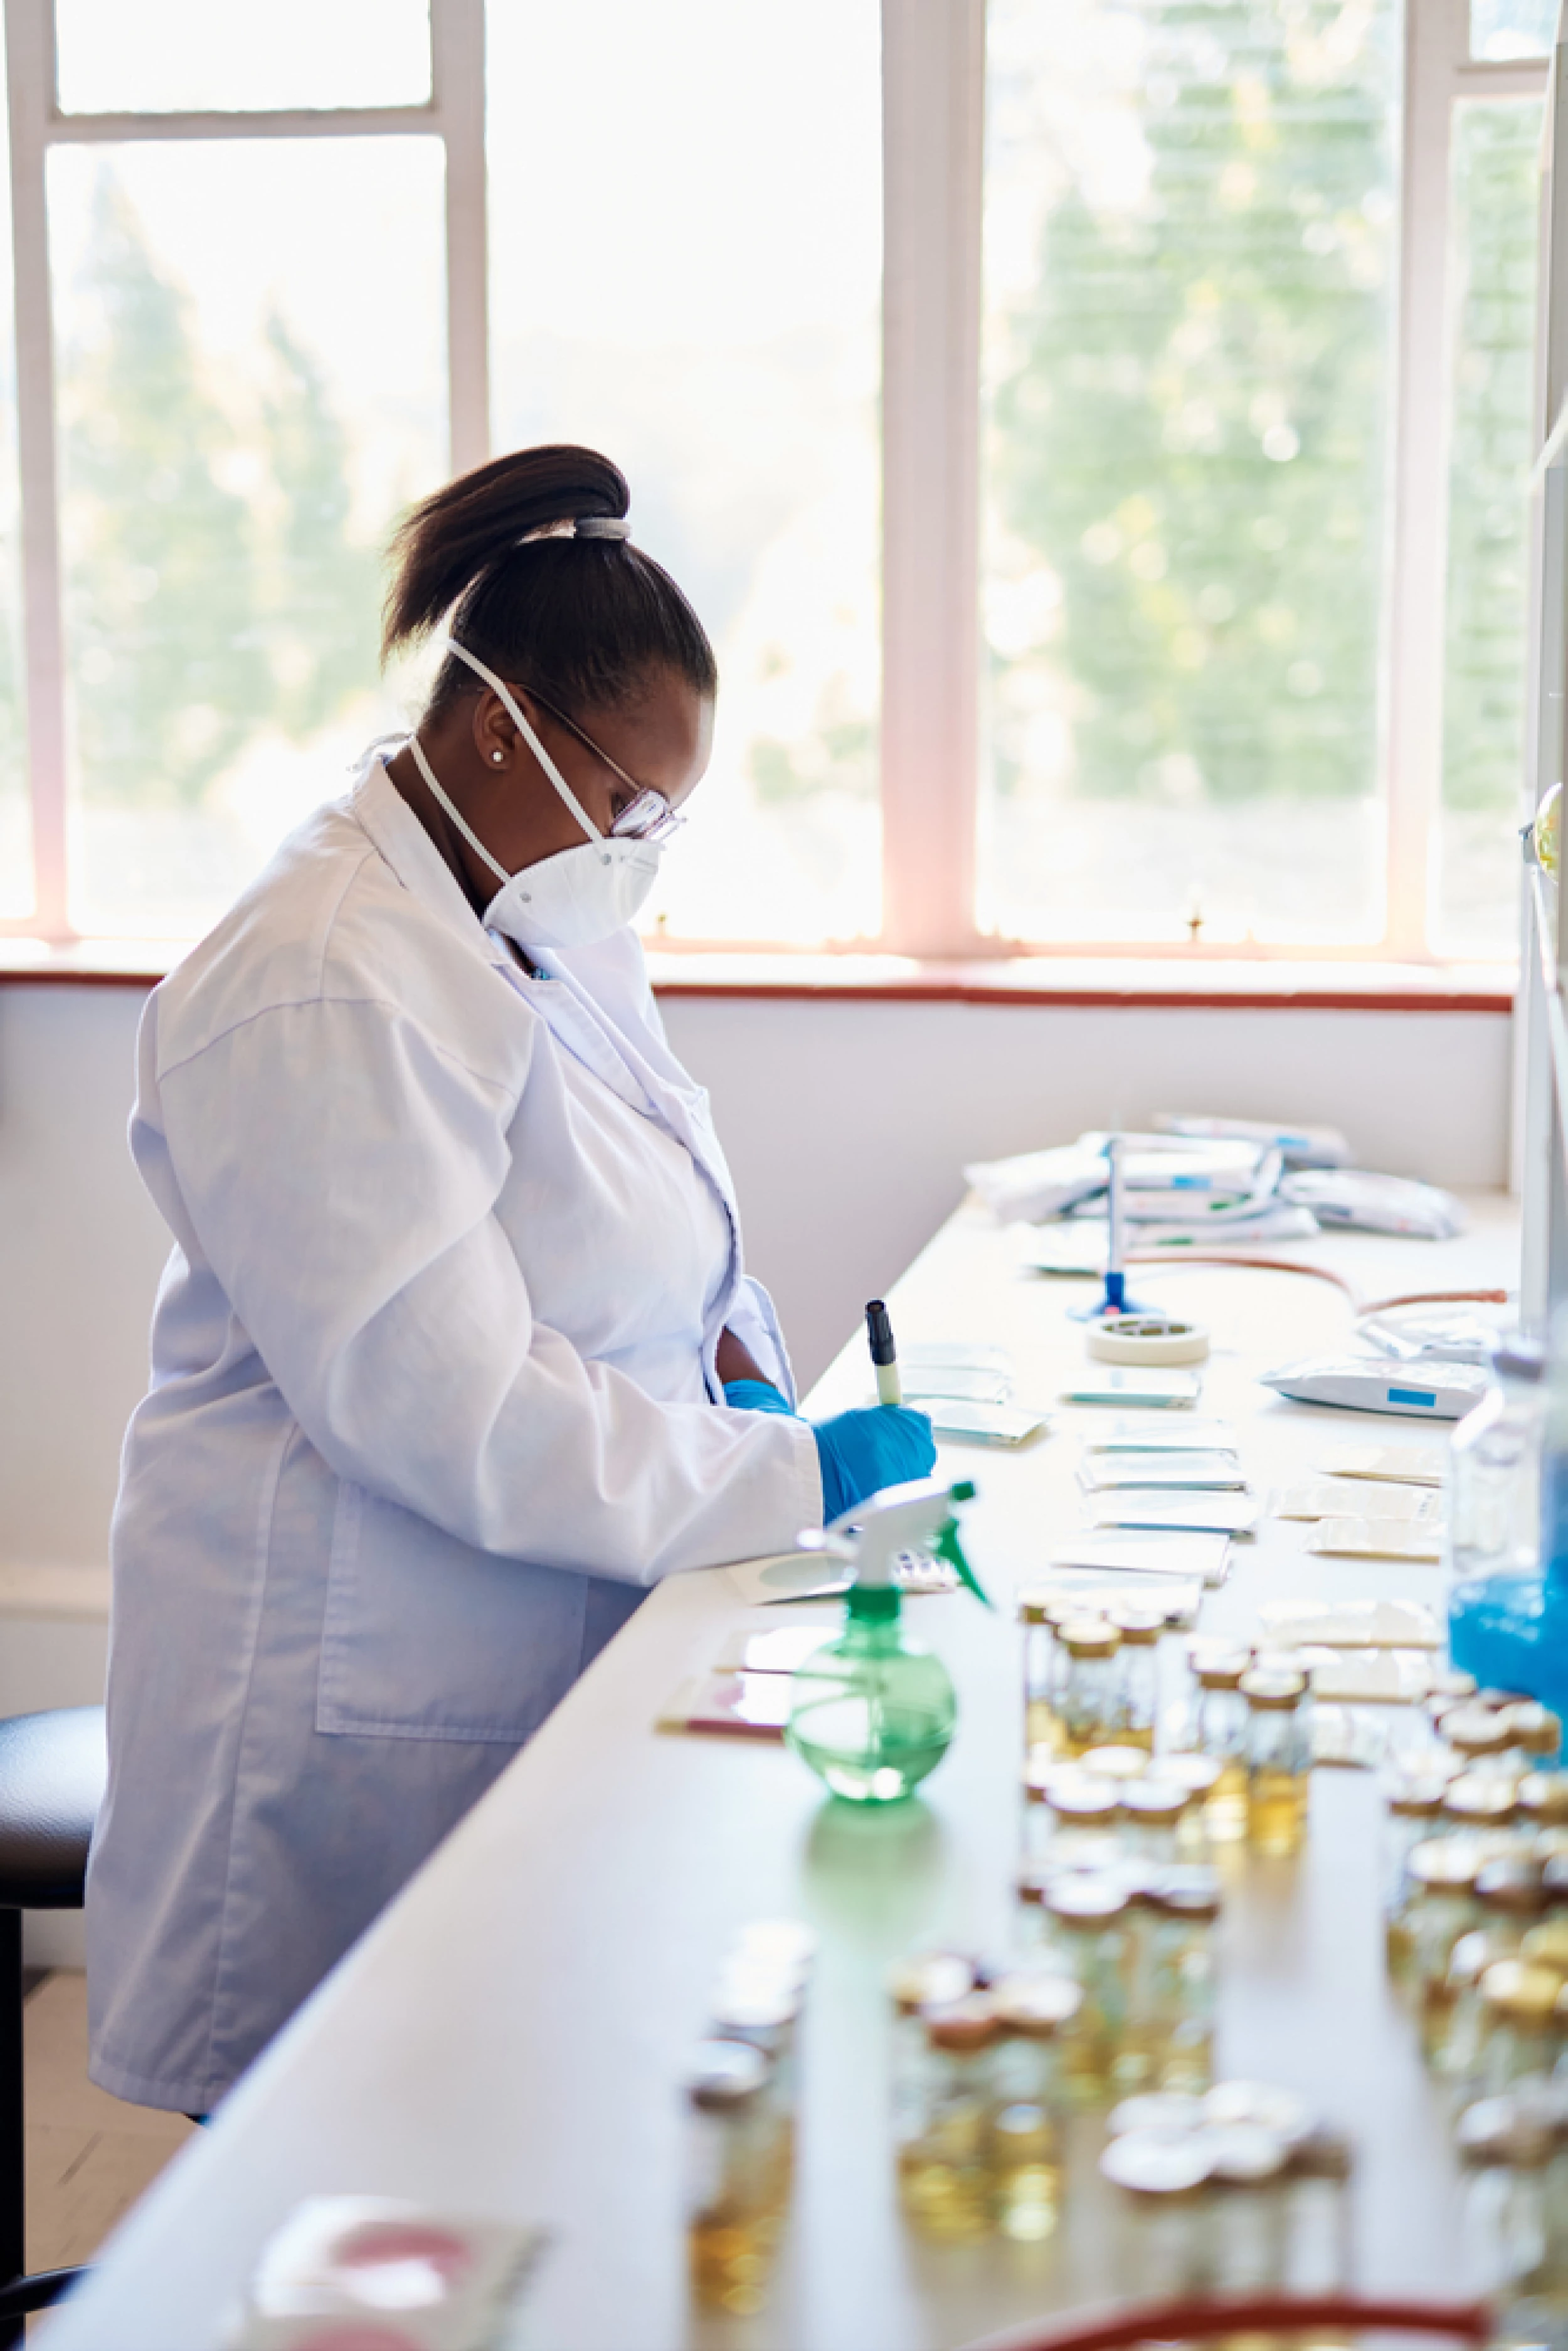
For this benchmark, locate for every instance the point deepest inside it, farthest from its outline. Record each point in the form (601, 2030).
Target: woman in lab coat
(454, 1352)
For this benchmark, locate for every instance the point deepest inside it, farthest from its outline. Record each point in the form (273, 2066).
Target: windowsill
(1202, 981)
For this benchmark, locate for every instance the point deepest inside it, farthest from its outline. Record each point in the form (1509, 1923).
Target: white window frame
(933, 153)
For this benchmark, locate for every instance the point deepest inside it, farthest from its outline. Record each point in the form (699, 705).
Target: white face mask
(578, 896)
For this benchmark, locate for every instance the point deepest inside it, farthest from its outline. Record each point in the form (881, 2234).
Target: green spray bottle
(872, 1712)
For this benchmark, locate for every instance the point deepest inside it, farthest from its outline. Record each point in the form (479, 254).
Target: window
(1095, 431)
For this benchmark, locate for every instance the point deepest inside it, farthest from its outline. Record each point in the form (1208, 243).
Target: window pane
(1189, 248)
(1513, 29)
(251, 360)
(1496, 182)
(15, 825)
(169, 54)
(685, 241)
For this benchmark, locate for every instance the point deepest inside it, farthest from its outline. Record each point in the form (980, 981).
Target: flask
(1139, 1665)
(1494, 1475)
(1279, 1760)
(1091, 1693)
(738, 2183)
(944, 2171)
(872, 1713)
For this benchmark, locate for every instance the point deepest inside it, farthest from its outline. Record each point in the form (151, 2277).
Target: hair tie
(602, 526)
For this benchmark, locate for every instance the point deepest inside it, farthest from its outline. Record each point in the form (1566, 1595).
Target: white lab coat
(431, 1402)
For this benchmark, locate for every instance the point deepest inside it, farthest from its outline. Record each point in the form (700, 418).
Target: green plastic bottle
(872, 1713)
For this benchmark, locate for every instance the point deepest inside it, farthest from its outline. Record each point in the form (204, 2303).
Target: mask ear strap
(458, 819)
(498, 686)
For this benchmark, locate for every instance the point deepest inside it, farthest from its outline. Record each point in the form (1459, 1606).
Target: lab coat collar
(413, 857)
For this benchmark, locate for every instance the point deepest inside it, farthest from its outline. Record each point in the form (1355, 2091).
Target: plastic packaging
(356, 2270)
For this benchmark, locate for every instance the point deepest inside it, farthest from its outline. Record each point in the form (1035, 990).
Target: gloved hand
(861, 1452)
(755, 1396)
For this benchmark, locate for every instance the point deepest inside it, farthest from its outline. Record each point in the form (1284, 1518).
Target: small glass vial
(1279, 1761)
(1542, 1802)
(1197, 1776)
(930, 1980)
(1141, 1629)
(1078, 1820)
(1174, 1989)
(943, 2169)
(1153, 1810)
(738, 2183)
(1164, 2237)
(1475, 1735)
(1248, 2166)
(1086, 1938)
(1519, 2027)
(1038, 1607)
(1534, 1737)
(1091, 1692)
(1322, 2251)
(1483, 1804)
(1454, 2032)
(1440, 1906)
(1024, 2159)
(1413, 1809)
(1221, 1720)
(1506, 2233)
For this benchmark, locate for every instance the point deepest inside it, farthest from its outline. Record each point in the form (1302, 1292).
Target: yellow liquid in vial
(1399, 1949)
(1043, 1725)
(1276, 1811)
(731, 2252)
(1188, 2061)
(943, 2180)
(1225, 1807)
(1078, 1740)
(1025, 2174)
(1133, 1735)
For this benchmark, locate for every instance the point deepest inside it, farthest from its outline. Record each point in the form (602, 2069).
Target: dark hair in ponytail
(582, 621)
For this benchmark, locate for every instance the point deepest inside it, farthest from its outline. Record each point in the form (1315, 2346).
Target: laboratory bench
(510, 2038)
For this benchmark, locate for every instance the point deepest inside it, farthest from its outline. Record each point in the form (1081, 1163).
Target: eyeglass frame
(623, 827)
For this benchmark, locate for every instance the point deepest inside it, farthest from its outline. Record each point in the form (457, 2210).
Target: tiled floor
(88, 2157)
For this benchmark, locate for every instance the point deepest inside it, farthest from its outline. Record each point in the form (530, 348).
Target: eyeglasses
(648, 815)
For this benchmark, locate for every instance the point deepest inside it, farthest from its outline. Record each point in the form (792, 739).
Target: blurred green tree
(1190, 428)
(168, 669)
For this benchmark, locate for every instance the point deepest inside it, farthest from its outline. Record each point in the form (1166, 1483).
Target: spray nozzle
(916, 1516)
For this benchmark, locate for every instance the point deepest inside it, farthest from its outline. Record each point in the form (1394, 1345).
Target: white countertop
(509, 2037)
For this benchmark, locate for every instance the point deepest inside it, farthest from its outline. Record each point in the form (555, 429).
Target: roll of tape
(1146, 1339)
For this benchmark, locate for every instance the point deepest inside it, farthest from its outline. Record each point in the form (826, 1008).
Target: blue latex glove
(755, 1396)
(861, 1452)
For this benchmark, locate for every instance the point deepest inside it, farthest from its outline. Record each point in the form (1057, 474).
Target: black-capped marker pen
(883, 1353)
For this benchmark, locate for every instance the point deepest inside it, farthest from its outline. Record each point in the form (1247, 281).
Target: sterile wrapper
(1350, 1624)
(1376, 1539)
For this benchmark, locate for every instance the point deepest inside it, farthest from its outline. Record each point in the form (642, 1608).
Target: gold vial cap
(1198, 1774)
(1444, 1864)
(1546, 1946)
(967, 2026)
(1147, 2165)
(1120, 1763)
(1156, 1800)
(1072, 1798)
(1086, 1901)
(1503, 2131)
(1414, 1800)
(1481, 1797)
(931, 1979)
(1512, 1887)
(1273, 1691)
(725, 2076)
(1088, 1636)
(1524, 1994)
(1476, 1730)
(1543, 1795)
(1141, 1627)
(1032, 2004)
(1042, 1603)
(1533, 1726)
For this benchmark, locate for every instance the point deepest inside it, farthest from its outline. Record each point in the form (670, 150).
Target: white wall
(847, 1124)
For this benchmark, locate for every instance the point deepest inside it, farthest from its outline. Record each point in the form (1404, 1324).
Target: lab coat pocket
(424, 1637)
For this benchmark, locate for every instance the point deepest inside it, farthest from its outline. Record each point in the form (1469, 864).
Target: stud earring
(498, 757)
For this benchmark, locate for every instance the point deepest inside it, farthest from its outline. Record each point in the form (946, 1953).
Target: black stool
(52, 1769)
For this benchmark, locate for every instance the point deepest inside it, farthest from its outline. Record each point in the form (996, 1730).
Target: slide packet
(1138, 1432)
(1100, 1470)
(1193, 1513)
(1347, 1498)
(730, 1706)
(1408, 1465)
(1137, 1553)
(1119, 1383)
(1351, 1624)
(1376, 1539)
